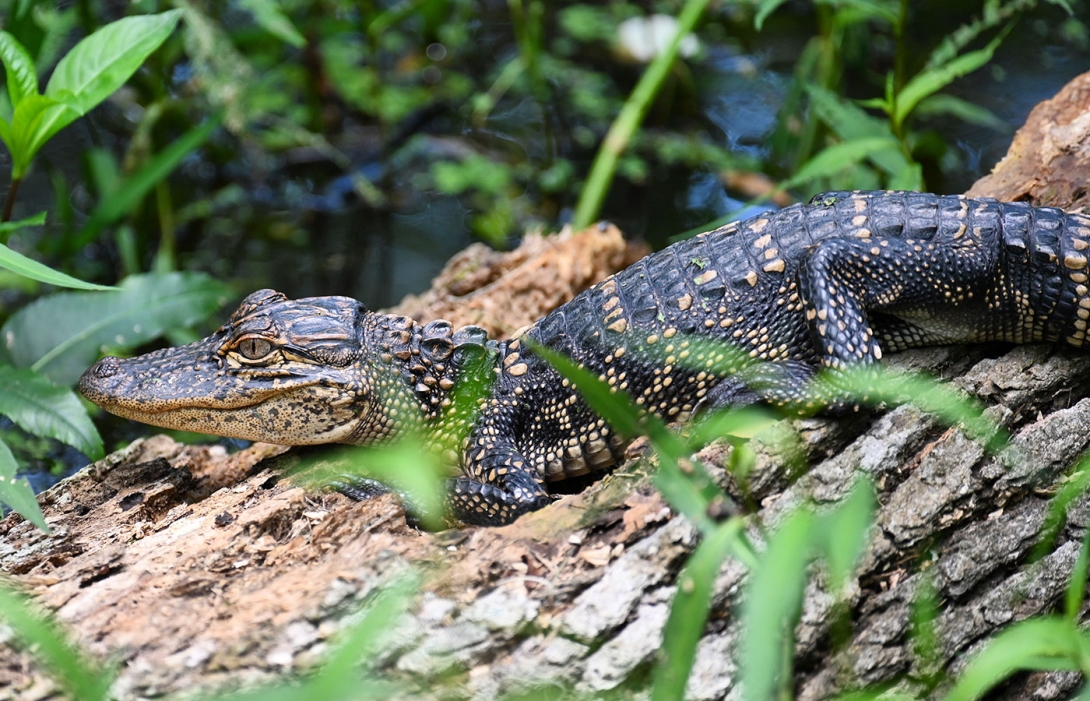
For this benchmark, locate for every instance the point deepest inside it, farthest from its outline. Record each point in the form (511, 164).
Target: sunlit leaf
(100, 64)
(271, 18)
(22, 79)
(16, 492)
(62, 334)
(36, 119)
(38, 406)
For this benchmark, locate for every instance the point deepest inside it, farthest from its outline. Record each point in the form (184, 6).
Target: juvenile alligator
(830, 284)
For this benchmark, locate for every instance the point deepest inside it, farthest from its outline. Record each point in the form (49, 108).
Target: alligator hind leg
(844, 281)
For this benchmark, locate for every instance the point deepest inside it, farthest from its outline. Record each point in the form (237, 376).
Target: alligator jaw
(311, 389)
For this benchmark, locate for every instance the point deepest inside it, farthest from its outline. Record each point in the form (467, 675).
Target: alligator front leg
(499, 487)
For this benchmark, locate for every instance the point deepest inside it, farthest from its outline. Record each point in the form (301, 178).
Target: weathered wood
(194, 584)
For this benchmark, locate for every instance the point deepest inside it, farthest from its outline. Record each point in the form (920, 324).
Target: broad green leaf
(932, 80)
(27, 267)
(133, 189)
(16, 492)
(689, 611)
(38, 406)
(19, 69)
(100, 64)
(833, 159)
(79, 676)
(36, 120)
(62, 334)
(1039, 643)
(267, 13)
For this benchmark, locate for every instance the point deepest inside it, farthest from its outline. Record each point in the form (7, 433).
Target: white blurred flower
(643, 38)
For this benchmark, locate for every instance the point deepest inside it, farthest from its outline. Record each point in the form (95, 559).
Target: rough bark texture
(199, 569)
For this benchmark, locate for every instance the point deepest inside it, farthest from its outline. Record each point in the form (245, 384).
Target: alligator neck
(426, 377)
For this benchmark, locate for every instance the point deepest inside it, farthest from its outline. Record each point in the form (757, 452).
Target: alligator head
(284, 371)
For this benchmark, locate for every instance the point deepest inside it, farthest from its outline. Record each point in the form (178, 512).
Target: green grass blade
(1076, 585)
(629, 119)
(689, 612)
(772, 604)
(15, 491)
(846, 530)
(133, 189)
(101, 63)
(1074, 485)
(39, 407)
(1039, 643)
(80, 677)
(689, 494)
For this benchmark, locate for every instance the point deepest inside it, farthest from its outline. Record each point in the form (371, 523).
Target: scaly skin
(831, 284)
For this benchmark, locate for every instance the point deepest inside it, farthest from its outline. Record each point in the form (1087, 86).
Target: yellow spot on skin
(707, 276)
(511, 359)
(619, 326)
(1074, 262)
(1080, 244)
(669, 333)
(652, 339)
(758, 226)
(859, 220)
(771, 253)
(518, 370)
(751, 278)
(611, 303)
(776, 266)
(1078, 277)
(685, 302)
(763, 241)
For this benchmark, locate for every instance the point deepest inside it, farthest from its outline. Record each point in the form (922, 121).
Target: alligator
(832, 284)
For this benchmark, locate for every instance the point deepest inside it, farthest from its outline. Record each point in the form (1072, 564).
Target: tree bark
(199, 569)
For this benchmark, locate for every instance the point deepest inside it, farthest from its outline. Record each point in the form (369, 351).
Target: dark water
(310, 235)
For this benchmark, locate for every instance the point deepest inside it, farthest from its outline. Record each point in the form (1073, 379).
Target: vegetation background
(336, 147)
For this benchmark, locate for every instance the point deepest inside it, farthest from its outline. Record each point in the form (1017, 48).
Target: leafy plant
(94, 69)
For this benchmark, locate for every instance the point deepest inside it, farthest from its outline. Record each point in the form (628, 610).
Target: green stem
(9, 204)
(630, 118)
(164, 258)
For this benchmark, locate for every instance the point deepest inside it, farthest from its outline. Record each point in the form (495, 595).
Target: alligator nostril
(107, 367)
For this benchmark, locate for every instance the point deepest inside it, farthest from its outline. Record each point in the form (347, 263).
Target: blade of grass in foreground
(80, 677)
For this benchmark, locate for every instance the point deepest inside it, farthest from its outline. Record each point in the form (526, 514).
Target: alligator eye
(254, 348)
